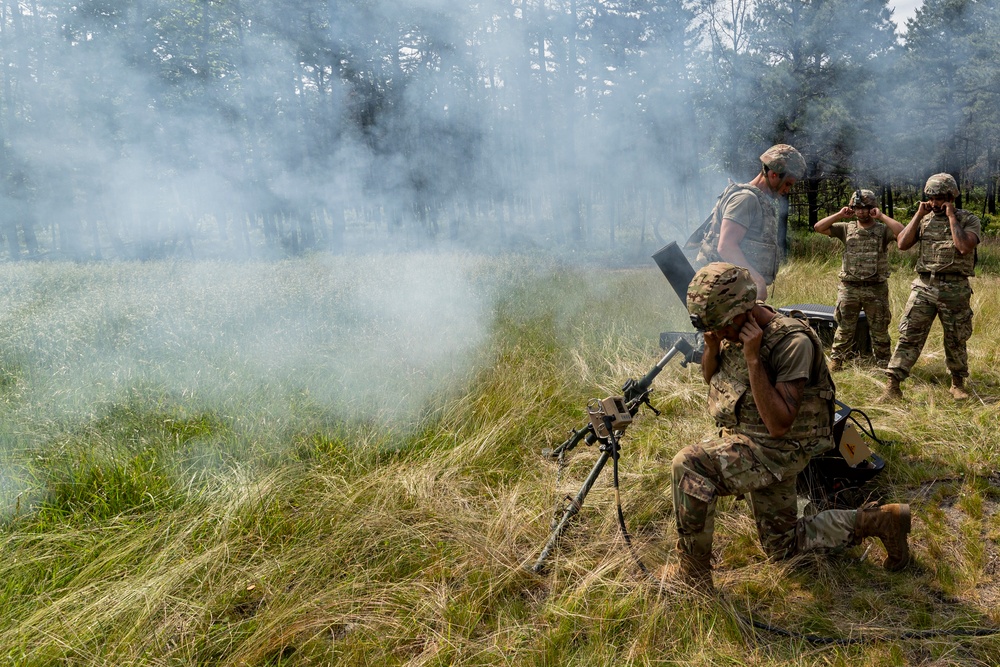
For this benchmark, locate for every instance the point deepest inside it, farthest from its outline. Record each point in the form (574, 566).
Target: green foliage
(541, 152)
(122, 463)
(991, 225)
(813, 247)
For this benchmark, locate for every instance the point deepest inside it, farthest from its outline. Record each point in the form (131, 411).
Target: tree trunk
(990, 206)
(812, 199)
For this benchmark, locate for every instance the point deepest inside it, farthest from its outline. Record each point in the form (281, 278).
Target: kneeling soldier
(771, 394)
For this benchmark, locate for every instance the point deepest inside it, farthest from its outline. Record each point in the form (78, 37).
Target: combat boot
(691, 570)
(892, 391)
(890, 524)
(836, 365)
(957, 390)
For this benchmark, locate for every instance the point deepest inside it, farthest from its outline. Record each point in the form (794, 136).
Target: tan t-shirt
(792, 358)
(743, 208)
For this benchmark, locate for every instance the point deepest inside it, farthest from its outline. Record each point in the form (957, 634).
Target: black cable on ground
(870, 431)
(811, 638)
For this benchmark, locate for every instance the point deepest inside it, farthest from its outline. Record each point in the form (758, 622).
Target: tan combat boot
(836, 365)
(693, 571)
(957, 390)
(892, 391)
(890, 524)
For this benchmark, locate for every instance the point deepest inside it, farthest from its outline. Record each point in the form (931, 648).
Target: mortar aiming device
(608, 419)
(635, 394)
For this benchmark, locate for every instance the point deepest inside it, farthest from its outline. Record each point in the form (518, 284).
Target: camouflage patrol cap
(941, 184)
(863, 198)
(718, 293)
(785, 160)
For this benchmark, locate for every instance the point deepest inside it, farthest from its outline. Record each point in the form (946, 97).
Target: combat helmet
(863, 198)
(941, 184)
(718, 293)
(784, 160)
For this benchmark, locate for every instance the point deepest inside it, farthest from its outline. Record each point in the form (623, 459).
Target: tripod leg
(572, 509)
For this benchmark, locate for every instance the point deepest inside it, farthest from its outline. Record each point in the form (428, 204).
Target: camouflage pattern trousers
(735, 464)
(852, 298)
(950, 301)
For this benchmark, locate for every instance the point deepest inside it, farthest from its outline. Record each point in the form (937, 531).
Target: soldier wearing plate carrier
(864, 273)
(772, 397)
(947, 238)
(743, 226)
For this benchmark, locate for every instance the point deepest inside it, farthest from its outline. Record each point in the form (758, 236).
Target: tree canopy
(213, 127)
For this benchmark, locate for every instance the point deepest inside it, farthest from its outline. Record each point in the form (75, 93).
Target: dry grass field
(337, 461)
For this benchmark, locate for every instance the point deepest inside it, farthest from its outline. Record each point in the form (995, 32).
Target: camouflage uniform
(744, 458)
(863, 276)
(941, 289)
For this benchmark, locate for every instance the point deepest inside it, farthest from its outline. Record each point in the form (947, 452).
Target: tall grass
(283, 464)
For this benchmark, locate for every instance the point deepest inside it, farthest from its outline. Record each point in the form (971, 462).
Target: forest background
(221, 129)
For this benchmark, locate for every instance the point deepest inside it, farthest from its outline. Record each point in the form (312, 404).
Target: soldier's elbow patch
(696, 486)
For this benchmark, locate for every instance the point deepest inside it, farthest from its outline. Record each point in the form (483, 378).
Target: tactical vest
(731, 402)
(759, 244)
(865, 255)
(938, 253)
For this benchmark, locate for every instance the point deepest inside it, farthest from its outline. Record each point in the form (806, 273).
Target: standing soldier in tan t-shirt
(864, 273)
(744, 222)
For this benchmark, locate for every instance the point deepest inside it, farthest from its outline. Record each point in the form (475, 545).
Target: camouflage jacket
(865, 254)
(938, 253)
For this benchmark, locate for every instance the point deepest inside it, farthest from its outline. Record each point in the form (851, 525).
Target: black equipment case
(821, 319)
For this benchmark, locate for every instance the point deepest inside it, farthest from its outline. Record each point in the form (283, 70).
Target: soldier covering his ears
(771, 395)
(947, 238)
(866, 232)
